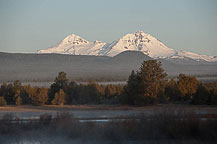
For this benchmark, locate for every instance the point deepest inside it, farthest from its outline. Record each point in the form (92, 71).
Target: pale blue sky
(29, 25)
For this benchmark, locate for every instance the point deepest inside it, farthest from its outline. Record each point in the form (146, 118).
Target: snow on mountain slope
(194, 56)
(75, 45)
(138, 41)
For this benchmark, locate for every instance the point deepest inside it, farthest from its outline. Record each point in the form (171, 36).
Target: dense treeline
(60, 92)
(149, 85)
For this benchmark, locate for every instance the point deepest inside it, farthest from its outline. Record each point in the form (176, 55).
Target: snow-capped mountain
(75, 45)
(138, 41)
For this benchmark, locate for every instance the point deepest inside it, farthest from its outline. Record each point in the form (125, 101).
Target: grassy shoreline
(109, 106)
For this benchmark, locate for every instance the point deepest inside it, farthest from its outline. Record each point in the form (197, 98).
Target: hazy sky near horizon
(30, 25)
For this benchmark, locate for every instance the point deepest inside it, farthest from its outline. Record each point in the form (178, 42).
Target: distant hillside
(45, 67)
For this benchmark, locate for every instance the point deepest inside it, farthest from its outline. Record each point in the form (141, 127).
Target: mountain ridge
(138, 41)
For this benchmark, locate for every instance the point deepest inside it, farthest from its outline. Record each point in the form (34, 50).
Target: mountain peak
(74, 39)
(136, 35)
(140, 41)
(140, 33)
(76, 45)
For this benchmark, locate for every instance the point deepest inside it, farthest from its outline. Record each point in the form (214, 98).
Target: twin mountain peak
(138, 41)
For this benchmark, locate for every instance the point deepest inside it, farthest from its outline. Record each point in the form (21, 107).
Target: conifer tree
(130, 90)
(61, 82)
(144, 87)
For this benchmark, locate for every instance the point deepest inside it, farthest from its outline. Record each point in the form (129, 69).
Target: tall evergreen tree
(130, 90)
(144, 87)
(152, 80)
(61, 82)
